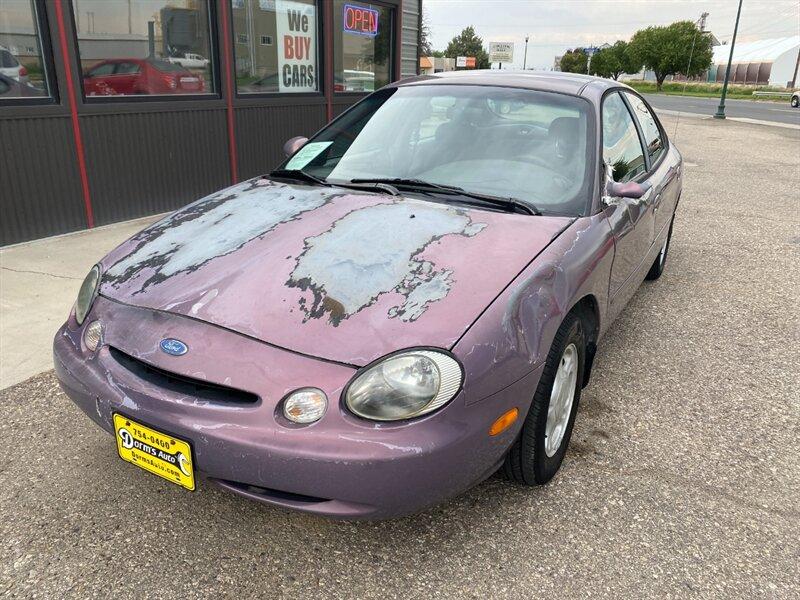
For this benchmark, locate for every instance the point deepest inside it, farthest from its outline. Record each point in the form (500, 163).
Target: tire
(795, 101)
(528, 461)
(661, 260)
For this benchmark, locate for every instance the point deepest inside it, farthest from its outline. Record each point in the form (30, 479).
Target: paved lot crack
(40, 273)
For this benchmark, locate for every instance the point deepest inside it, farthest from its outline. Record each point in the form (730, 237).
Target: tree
(614, 61)
(468, 44)
(666, 50)
(574, 61)
(437, 53)
(425, 46)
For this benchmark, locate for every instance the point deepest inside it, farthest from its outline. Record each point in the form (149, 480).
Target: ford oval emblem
(173, 347)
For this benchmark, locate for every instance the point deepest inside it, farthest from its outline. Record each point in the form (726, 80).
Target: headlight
(404, 385)
(87, 294)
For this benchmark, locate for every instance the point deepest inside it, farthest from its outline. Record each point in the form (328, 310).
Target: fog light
(92, 335)
(305, 405)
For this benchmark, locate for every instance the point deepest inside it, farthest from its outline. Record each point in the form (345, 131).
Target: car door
(631, 220)
(126, 78)
(665, 175)
(96, 80)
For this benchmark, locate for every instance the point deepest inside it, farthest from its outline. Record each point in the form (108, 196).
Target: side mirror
(294, 144)
(627, 190)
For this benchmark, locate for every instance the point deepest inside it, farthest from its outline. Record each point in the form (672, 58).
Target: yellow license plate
(154, 451)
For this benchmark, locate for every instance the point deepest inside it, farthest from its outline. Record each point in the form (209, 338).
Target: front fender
(513, 335)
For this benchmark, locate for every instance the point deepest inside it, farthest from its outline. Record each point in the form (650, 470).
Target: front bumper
(340, 466)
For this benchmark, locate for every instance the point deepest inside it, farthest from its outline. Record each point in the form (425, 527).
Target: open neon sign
(360, 20)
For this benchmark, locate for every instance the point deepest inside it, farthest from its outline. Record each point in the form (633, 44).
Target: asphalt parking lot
(683, 477)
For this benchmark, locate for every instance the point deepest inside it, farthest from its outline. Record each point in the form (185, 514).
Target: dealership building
(117, 109)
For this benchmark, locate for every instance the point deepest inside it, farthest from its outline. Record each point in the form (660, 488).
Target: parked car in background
(132, 76)
(355, 81)
(189, 61)
(411, 302)
(11, 88)
(796, 99)
(11, 67)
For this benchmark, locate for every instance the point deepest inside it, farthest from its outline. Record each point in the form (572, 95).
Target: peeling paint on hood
(324, 271)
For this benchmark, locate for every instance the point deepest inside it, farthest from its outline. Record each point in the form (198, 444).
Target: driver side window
(622, 148)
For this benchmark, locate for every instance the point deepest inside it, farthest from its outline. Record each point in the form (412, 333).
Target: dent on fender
(521, 323)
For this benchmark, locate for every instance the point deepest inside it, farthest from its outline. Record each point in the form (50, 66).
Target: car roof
(552, 81)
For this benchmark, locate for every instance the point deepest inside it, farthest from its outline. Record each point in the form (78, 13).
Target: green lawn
(708, 90)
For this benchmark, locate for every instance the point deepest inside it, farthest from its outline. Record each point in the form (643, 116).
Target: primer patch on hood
(376, 250)
(213, 227)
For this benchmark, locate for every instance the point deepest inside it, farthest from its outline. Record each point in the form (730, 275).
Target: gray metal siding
(409, 55)
(262, 130)
(40, 189)
(146, 163)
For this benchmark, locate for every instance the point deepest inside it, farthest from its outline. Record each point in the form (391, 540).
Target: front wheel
(795, 101)
(542, 443)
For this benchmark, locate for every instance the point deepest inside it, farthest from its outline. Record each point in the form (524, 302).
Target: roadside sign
(501, 52)
(465, 62)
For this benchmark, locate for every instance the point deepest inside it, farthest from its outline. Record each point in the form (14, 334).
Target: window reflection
(622, 148)
(652, 134)
(362, 40)
(144, 47)
(275, 43)
(22, 69)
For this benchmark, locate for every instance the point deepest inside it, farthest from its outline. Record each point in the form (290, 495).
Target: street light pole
(720, 114)
(525, 60)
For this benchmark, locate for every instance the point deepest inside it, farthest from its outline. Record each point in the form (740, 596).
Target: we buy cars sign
(297, 54)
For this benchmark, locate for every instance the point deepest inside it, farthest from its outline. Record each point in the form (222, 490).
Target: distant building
(771, 61)
(428, 65)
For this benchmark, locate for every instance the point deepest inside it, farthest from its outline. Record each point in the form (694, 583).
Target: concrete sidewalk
(39, 281)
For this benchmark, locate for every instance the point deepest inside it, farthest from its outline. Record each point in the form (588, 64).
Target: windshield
(529, 145)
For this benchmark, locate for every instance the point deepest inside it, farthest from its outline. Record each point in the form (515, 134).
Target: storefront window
(23, 73)
(362, 40)
(275, 46)
(144, 47)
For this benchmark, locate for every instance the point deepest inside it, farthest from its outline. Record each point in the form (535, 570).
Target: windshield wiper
(509, 203)
(299, 175)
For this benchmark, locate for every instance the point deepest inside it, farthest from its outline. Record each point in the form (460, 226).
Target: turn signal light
(504, 421)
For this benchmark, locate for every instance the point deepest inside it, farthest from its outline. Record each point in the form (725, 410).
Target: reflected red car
(136, 76)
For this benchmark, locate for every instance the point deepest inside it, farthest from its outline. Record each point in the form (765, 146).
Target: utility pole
(720, 114)
(525, 60)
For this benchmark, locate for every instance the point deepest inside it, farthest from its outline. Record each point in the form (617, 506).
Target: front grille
(180, 384)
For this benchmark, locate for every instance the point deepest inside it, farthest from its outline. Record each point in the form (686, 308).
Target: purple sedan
(410, 303)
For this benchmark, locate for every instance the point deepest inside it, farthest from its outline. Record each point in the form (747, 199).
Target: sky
(555, 26)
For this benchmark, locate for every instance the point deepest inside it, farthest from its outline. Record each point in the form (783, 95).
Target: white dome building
(774, 62)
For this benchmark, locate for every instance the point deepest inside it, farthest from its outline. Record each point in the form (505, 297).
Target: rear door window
(622, 148)
(127, 68)
(102, 70)
(7, 60)
(652, 134)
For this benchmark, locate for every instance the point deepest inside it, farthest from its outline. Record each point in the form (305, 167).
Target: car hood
(327, 272)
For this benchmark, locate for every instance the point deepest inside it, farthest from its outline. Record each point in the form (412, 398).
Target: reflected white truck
(189, 61)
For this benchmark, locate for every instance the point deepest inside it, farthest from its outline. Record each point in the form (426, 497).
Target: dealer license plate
(160, 453)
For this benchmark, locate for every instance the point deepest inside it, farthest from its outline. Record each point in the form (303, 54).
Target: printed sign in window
(297, 52)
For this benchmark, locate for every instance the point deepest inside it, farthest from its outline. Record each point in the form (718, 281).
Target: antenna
(701, 22)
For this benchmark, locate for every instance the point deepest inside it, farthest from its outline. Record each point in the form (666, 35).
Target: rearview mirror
(294, 144)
